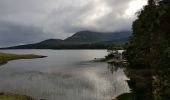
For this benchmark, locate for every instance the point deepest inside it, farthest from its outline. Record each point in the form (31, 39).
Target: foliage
(125, 96)
(149, 49)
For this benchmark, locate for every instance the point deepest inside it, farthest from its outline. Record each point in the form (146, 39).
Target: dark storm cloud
(26, 21)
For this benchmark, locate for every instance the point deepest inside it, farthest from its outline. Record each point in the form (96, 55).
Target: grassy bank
(5, 57)
(8, 96)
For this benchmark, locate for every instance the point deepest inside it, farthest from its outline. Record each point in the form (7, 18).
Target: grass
(5, 57)
(7, 96)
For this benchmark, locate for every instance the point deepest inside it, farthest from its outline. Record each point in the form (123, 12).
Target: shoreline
(11, 96)
(6, 57)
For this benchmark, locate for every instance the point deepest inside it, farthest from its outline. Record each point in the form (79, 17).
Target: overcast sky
(28, 21)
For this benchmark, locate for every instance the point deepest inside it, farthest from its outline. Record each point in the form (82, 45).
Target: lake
(63, 75)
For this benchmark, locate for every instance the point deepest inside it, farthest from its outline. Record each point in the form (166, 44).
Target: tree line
(148, 52)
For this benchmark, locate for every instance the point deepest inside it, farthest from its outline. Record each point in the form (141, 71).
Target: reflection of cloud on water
(78, 84)
(64, 75)
(107, 85)
(51, 86)
(100, 84)
(45, 74)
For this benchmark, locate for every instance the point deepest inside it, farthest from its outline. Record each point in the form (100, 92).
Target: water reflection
(60, 77)
(112, 68)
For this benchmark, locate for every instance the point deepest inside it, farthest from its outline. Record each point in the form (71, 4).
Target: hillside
(80, 40)
(89, 36)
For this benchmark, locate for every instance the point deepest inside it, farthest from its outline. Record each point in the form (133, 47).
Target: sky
(29, 21)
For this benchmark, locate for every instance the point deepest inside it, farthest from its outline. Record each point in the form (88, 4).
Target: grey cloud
(27, 21)
(75, 18)
(13, 34)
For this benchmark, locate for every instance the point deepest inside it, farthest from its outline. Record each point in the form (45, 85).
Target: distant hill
(80, 40)
(89, 36)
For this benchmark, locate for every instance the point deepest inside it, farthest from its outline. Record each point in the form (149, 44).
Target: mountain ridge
(80, 40)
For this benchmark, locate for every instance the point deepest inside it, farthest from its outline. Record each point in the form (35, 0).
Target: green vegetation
(7, 96)
(68, 45)
(148, 53)
(125, 96)
(5, 57)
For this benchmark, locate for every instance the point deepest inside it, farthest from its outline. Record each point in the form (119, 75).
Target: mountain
(51, 41)
(80, 40)
(89, 36)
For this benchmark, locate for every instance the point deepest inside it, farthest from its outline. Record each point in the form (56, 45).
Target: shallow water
(63, 75)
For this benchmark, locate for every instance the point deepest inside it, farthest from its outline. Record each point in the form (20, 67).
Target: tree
(148, 52)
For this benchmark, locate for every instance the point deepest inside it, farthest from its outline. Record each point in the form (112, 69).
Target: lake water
(63, 75)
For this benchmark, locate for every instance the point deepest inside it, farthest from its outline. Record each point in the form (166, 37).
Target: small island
(5, 57)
